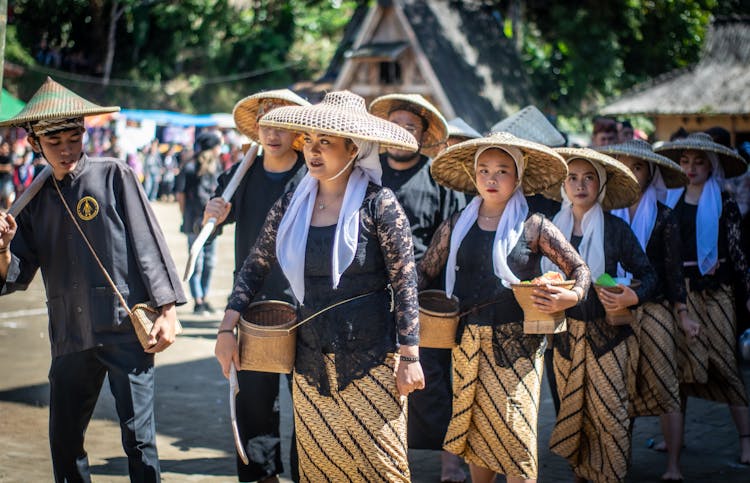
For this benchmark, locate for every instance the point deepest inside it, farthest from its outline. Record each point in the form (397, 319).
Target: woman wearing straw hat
(592, 359)
(90, 333)
(712, 255)
(341, 241)
(496, 367)
(657, 386)
(278, 170)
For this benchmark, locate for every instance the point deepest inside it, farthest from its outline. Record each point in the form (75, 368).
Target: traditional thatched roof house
(453, 53)
(713, 92)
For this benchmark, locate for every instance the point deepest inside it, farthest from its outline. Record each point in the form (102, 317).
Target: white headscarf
(509, 228)
(295, 225)
(644, 218)
(592, 225)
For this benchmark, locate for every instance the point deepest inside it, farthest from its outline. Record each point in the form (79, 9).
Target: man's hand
(163, 333)
(216, 208)
(8, 229)
(226, 349)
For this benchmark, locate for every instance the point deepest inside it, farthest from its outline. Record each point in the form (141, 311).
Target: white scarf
(644, 218)
(707, 215)
(291, 238)
(509, 228)
(591, 248)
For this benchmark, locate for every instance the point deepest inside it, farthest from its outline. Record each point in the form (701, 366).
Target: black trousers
(430, 409)
(258, 422)
(75, 382)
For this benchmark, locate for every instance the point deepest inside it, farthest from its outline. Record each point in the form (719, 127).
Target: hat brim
(245, 112)
(339, 122)
(433, 139)
(731, 162)
(622, 187)
(673, 175)
(454, 167)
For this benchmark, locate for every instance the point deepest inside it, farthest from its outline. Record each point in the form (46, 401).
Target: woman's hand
(226, 349)
(409, 375)
(616, 301)
(689, 326)
(551, 298)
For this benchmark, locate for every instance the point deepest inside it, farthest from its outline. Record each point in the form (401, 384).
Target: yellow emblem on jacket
(87, 208)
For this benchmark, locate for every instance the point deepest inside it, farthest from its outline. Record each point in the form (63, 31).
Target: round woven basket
(438, 319)
(618, 317)
(534, 320)
(267, 344)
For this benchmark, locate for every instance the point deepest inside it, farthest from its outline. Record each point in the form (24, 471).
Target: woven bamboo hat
(53, 101)
(249, 110)
(437, 128)
(529, 123)
(454, 167)
(459, 128)
(622, 187)
(673, 175)
(342, 114)
(731, 161)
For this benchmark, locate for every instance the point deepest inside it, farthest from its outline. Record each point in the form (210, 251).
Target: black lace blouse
(359, 333)
(734, 262)
(664, 251)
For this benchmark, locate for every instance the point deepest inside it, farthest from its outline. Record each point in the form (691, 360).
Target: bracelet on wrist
(4, 249)
(681, 310)
(225, 331)
(409, 358)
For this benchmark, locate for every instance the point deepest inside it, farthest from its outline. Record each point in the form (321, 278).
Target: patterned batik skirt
(356, 434)
(709, 361)
(592, 366)
(657, 388)
(496, 399)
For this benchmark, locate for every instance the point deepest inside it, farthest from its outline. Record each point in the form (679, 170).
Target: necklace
(490, 217)
(321, 205)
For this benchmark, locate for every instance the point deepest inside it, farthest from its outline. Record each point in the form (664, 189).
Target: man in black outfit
(278, 170)
(90, 332)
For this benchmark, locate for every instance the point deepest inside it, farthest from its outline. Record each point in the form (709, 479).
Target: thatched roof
(718, 84)
(478, 66)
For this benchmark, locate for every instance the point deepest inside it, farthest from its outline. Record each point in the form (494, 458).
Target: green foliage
(14, 51)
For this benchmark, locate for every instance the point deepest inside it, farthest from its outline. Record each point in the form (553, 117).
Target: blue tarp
(170, 118)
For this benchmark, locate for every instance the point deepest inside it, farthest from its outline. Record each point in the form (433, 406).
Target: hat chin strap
(342, 169)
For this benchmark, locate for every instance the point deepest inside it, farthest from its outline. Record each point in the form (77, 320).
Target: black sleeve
(674, 282)
(634, 260)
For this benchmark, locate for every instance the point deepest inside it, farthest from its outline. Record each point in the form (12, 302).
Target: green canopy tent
(9, 105)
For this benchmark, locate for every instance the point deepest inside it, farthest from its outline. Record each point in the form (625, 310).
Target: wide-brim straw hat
(459, 128)
(622, 186)
(673, 175)
(341, 114)
(245, 112)
(437, 128)
(454, 167)
(731, 161)
(53, 101)
(529, 123)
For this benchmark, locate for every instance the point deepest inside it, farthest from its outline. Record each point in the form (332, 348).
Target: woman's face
(582, 184)
(640, 168)
(496, 175)
(696, 166)
(327, 155)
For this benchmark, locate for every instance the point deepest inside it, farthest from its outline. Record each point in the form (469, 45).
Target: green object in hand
(606, 280)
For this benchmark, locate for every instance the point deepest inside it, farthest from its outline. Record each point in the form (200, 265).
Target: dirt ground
(194, 436)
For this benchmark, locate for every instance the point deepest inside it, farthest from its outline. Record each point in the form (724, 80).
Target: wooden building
(713, 92)
(453, 53)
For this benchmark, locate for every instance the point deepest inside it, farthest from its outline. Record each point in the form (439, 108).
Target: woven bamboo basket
(618, 317)
(267, 344)
(438, 319)
(534, 320)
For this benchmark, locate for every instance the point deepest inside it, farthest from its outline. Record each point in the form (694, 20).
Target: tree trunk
(114, 16)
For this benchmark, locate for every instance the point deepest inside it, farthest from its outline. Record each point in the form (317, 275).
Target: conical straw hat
(673, 175)
(731, 161)
(622, 187)
(53, 101)
(529, 123)
(459, 128)
(342, 114)
(454, 167)
(437, 128)
(246, 111)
